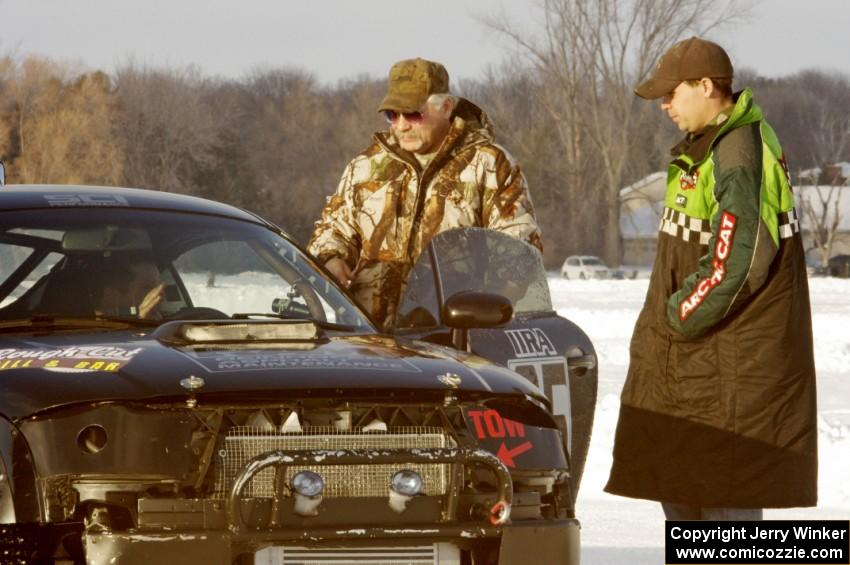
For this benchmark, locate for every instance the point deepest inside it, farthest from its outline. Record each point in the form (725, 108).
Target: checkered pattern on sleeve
(789, 224)
(679, 224)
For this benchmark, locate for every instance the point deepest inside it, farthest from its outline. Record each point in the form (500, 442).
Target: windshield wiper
(319, 323)
(39, 322)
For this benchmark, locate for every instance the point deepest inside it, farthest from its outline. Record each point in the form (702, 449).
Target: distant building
(641, 206)
(838, 201)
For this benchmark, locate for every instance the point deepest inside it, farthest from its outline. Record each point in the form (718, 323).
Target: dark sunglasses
(410, 117)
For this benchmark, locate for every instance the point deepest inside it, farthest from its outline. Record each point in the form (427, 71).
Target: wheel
(582, 276)
(565, 275)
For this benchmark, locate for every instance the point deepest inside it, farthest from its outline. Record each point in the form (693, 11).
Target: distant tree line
(276, 141)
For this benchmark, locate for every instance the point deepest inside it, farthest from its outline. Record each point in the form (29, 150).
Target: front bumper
(553, 542)
(209, 532)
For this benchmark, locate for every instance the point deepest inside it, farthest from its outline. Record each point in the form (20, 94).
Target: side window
(419, 308)
(479, 259)
(11, 258)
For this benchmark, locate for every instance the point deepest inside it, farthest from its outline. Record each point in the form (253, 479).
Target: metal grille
(442, 553)
(243, 443)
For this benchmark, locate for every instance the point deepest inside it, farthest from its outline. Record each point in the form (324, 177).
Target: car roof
(46, 196)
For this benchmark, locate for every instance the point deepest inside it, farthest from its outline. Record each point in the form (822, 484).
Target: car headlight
(307, 483)
(406, 482)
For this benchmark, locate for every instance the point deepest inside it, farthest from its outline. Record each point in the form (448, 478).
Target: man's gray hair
(436, 101)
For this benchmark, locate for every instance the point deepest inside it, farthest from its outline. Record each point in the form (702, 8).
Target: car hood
(45, 372)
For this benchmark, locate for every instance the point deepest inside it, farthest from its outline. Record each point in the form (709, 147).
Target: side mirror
(472, 309)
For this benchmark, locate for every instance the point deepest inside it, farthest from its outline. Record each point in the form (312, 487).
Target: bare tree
(587, 59)
(821, 210)
(298, 137)
(821, 203)
(822, 218)
(168, 126)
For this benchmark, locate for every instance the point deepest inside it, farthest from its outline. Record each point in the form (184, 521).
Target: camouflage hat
(410, 84)
(691, 59)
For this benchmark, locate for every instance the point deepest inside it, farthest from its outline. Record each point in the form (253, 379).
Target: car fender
(554, 354)
(19, 499)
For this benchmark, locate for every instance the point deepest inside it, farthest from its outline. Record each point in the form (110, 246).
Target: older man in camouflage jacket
(437, 168)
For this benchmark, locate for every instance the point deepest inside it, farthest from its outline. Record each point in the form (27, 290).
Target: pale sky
(335, 39)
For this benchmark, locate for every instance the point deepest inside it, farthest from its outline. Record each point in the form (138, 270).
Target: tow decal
(489, 424)
(507, 455)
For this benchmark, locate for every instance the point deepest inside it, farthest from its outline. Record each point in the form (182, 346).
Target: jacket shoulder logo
(688, 182)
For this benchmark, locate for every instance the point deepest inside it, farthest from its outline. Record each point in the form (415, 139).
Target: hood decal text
(216, 361)
(73, 359)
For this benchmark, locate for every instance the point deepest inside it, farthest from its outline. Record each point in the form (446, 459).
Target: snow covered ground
(618, 530)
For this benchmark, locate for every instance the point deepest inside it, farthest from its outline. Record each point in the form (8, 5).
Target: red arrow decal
(507, 455)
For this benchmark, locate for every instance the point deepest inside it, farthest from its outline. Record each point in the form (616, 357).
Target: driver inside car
(130, 287)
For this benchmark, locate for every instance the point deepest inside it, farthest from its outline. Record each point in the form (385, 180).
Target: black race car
(181, 383)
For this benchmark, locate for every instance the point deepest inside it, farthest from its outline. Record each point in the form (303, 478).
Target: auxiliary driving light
(307, 483)
(406, 482)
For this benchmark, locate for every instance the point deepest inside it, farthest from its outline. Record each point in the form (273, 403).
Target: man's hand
(148, 307)
(340, 270)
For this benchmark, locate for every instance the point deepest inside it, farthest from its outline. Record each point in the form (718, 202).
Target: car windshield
(157, 265)
(591, 261)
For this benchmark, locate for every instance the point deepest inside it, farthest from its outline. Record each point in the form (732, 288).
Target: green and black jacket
(718, 408)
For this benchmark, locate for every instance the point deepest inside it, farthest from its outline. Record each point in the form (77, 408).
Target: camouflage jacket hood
(387, 207)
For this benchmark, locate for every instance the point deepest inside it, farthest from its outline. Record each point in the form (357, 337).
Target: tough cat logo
(532, 342)
(722, 248)
(88, 358)
(688, 182)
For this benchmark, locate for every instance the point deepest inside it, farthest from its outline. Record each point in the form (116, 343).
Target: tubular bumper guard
(280, 460)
